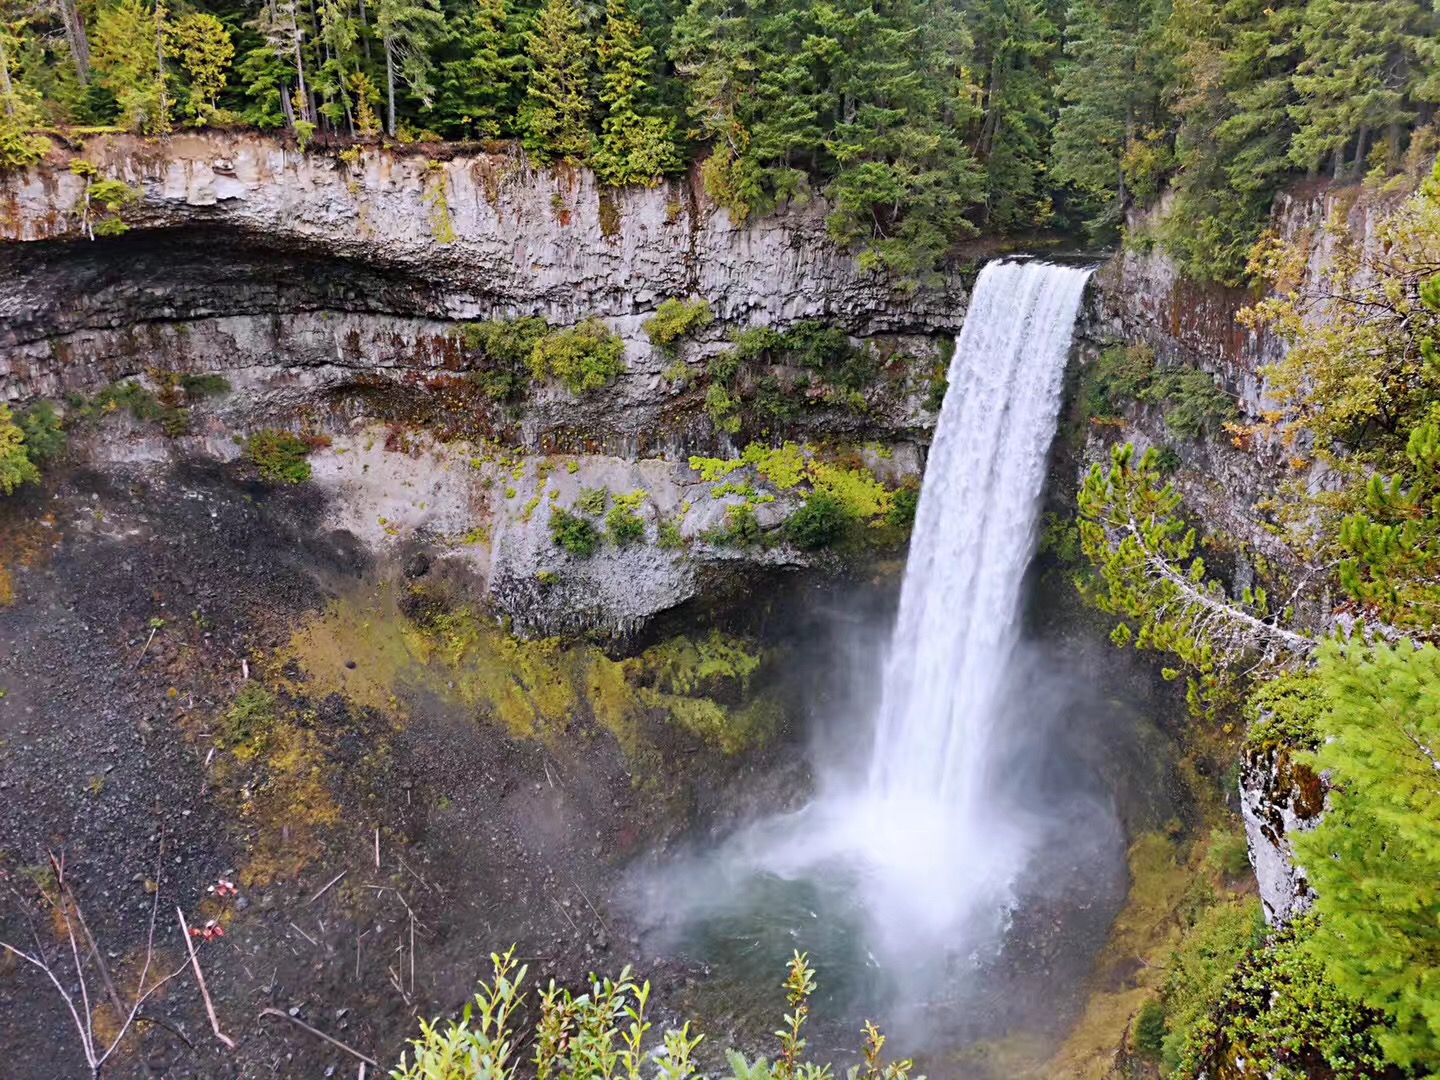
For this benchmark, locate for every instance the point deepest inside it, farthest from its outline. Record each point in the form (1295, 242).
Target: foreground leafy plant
(601, 1034)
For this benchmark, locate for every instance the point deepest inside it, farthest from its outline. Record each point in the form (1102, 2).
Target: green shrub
(585, 357)
(669, 537)
(675, 319)
(602, 1032)
(741, 528)
(724, 409)
(573, 533)
(199, 387)
(1281, 1012)
(16, 468)
(593, 500)
(903, 504)
(505, 346)
(1193, 404)
(44, 436)
(821, 522)
(1117, 378)
(624, 525)
(1202, 965)
(1150, 1030)
(280, 456)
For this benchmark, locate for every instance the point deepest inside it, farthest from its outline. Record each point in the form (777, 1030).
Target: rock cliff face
(329, 290)
(1141, 297)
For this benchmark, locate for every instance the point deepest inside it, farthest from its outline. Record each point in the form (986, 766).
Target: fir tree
(555, 119)
(1366, 63)
(1374, 859)
(407, 29)
(128, 54)
(202, 45)
(636, 146)
(478, 71)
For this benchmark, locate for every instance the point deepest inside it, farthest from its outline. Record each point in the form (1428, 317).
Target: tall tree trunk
(75, 35)
(365, 28)
(163, 120)
(287, 105)
(390, 89)
(300, 71)
(7, 88)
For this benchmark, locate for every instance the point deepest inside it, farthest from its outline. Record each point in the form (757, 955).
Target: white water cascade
(934, 853)
(928, 839)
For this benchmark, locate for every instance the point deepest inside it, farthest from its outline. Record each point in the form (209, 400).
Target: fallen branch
(329, 883)
(321, 1035)
(200, 982)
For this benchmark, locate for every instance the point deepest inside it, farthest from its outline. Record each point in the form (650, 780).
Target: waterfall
(941, 854)
(928, 840)
(974, 531)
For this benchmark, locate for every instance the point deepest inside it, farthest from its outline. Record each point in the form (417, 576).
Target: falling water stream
(916, 852)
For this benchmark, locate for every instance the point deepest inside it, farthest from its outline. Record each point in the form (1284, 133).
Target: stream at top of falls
(907, 873)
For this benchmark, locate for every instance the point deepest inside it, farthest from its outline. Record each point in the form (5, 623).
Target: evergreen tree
(1014, 43)
(1109, 91)
(407, 29)
(128, 53)
(636, 146)
(1374, 859)
(19, 146)
(202, 45)
(555, 119)
(478, 71)
(1234, 62)
(906, 179)
(1366, 63)
(715, 50)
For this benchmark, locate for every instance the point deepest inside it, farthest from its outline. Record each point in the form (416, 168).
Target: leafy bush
(199, 387)
(741, 529)
(573, 533)
(624, 525)
(1193, 404)
(724, 409)
(16, 468)
(1280, 1012)
(603, 1033)
(505, 347)
(585, 357)
(819, 523)
(280, 456)
(903, 504)
(1118, 377)
(674, 319)
(1201, 966)
(1150, 1029)
(44, 436)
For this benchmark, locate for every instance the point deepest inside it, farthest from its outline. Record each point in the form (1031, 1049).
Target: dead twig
(327, 885)
(303, 934)
(200, 982)
(321, 1035)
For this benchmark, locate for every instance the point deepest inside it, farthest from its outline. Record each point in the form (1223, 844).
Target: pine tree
(714, 50)
(202, 45)
(1374, 859)
(19, 146)
(555, 118)
(128, 53)
(1364, 68)
(478, 71)
(1109, 92)
(636, 145)
(407, 29)
(1015, 41)
(1234, 64)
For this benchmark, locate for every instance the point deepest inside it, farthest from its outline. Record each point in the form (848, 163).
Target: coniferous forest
(923, 122)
